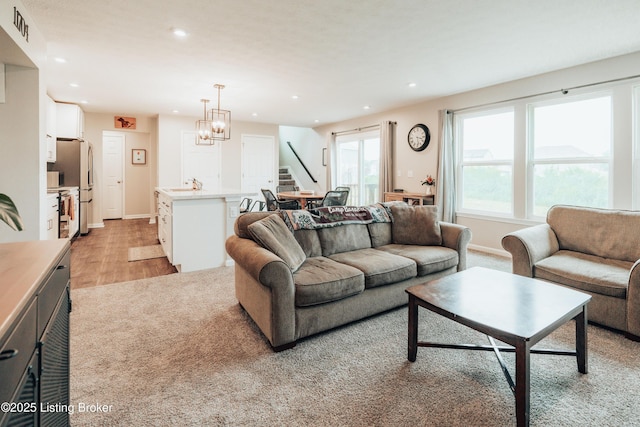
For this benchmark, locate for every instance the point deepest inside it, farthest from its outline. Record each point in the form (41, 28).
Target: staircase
(285, 178)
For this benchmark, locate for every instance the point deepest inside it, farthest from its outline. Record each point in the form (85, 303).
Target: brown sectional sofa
(596, 251)
(314, 277)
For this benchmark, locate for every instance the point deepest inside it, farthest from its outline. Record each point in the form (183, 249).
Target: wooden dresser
(35, 307)
(410, 198)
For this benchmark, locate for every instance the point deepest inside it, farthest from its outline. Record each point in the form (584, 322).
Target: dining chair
(274, 204)
(335, 198)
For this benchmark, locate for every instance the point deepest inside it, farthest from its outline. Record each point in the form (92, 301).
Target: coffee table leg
(581, 340)
(522, 383)
(413, 329)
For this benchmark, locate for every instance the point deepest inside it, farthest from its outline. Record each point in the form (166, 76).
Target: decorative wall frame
(324, 157)
(139, 156)
(120, 122)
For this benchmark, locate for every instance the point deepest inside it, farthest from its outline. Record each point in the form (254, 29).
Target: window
(485, 171)
(358, 166)
(570, 151)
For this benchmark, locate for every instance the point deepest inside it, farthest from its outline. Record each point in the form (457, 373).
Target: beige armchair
(596, 251)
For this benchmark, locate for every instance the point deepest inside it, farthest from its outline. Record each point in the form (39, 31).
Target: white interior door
(258, 163)
(201, 162)
(113, 188)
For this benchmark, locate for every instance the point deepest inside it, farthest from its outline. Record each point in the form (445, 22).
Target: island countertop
(187, 193)
(23, 268)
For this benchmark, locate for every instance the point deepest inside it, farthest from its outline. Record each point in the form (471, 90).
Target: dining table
(301, 196)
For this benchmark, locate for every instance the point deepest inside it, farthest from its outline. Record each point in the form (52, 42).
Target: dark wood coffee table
(516, 310)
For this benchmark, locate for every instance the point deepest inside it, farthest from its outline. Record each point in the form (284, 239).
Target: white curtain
(387, 140)
(446, 183)
(330, 160)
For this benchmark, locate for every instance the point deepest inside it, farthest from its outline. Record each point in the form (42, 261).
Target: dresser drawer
(16, 352)
(49, 294)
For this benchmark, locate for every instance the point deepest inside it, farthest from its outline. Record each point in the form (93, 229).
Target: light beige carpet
(145, 252)
(178, 350)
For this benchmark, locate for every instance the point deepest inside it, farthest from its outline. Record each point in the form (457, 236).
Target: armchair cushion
(586, 272)
(415, 225)
(273, 234)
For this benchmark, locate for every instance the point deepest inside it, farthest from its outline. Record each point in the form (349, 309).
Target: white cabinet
(70, 121)
(165, 225)
(52, 216)
(52, 114)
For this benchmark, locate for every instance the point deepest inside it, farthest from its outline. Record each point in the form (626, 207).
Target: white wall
(22, 125)
(21, 162)
(308, 144)
(139, 180)
(487, 232)
(170, 129)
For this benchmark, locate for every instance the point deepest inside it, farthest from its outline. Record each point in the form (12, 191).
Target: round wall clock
(419, 137)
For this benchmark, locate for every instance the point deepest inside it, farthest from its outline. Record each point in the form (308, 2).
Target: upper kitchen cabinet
(70, 121)
(51, 129)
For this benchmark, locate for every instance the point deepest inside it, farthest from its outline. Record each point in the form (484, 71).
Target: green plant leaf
(9, 213)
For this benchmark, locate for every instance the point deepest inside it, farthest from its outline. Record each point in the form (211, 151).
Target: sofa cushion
(240, 226)
(321, 280)
(309, 242)
(415, 225)
(273, 234)
(380, 233)
(586, 272)
(344, 238)
(379, 267)
(606, 233)
(429, 259)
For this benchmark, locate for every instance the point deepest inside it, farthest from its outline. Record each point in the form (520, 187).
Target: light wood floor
(101, 257)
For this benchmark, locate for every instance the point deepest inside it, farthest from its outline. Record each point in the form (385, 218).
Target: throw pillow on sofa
(273, 234)
(415, 225)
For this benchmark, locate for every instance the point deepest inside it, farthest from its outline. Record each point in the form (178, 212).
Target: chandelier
(216, 123)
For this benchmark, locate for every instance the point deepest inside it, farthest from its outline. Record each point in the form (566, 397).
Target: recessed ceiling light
(367, 107)
(316, 121)
(175, 111)
(60, 60)
(411, 84)
(84, 102)
(254, 114)
(179, 32)
(74, 85)
(295, 97)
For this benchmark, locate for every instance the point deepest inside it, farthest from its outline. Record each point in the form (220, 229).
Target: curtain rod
(358, 129)
(562, 91)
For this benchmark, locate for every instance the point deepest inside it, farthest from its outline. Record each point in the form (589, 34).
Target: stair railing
(301, 162)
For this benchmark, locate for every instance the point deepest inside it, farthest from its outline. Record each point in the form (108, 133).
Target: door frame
(123, 145)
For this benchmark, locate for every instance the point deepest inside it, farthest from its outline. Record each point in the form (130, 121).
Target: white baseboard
(492, 251)
(96, 225)
(139, 216)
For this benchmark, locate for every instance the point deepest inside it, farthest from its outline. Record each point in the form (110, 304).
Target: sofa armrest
(528, 246)
(250, 255)
(456, 237)
(633, 301)
(265, 288)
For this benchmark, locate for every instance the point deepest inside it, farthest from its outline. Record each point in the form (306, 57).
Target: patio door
(358, 166)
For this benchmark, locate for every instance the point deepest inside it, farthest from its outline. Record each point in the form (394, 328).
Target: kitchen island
(194, 224)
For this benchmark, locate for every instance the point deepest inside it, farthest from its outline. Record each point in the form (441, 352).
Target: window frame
(531, 162)
(461, 163)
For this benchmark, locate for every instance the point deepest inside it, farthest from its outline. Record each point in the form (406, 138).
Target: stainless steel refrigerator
(74, 161)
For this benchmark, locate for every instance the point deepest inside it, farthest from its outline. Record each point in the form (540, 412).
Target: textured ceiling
(336, 55)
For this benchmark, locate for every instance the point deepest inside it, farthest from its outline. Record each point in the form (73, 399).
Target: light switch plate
(409, 174)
